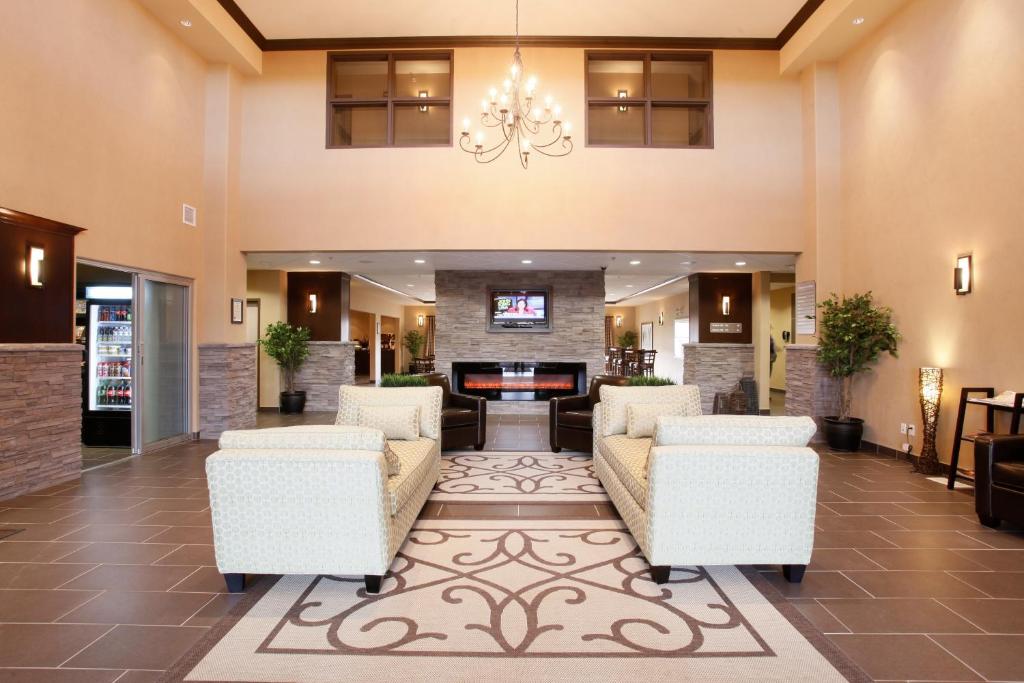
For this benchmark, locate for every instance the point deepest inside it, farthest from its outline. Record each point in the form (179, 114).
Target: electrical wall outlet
(911, 431)
(903, 427)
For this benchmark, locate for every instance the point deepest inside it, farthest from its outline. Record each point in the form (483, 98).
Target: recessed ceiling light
(526, 261)
(858, 21)
(419, 260)
(187, 23)
(634, 263)
(410, 285)
(314, 262)
(686, 263)
(741, 263)
(629, 286)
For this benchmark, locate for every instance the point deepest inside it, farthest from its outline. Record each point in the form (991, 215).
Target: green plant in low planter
(854, 332)
(649, 381)
(396, 380)
(289, 347)
(627, 339)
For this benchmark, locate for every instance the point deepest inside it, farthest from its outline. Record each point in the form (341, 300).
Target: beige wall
(271, 288)
(744, 194)
(782, 320)
(677, 306)
(931, 166)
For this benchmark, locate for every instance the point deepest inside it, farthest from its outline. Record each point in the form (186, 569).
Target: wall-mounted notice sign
(726, 328)
(806, 310)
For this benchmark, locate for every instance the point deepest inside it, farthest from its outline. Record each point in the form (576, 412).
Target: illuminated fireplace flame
(536, 383)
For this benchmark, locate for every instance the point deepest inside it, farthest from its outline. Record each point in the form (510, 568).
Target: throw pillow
(397, 422)
(393, 463)
(641, 417)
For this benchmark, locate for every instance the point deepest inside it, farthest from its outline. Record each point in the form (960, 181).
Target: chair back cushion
(306, 437)
(599, 381)
(439, 379)
(397, 422)
(615, 399)
(428, 399)
(734, 430)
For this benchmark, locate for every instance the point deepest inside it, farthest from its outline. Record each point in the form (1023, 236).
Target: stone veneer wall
(227, 388)
(715, 368)
(810, 390)
(577, 300)
(40, 416)
(330, 364)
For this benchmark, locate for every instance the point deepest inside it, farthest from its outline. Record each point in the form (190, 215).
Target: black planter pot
(844, 435)
(293, 402)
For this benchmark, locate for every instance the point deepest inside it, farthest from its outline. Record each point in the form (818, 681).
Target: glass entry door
(162, 356)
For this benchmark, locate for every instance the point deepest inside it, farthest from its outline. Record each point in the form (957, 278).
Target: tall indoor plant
(289, 347)
(414, 341)
(854, 332)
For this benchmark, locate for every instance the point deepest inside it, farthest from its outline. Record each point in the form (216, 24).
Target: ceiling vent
(188, 215)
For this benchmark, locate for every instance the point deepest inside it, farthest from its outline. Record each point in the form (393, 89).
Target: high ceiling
(399, 18)
(623, 278)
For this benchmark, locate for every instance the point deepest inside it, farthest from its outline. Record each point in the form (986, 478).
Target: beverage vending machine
(107, 418)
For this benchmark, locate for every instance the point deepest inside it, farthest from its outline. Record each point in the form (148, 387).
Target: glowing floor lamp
(931, 395)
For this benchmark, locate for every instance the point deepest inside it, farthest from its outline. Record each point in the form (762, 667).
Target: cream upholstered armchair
(326, 499)
(706, 490)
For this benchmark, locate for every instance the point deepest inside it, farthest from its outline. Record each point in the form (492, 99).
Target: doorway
(782, 330)
(135, 329)
(252, 335)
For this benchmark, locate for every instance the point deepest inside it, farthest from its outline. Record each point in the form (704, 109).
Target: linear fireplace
(518, 380)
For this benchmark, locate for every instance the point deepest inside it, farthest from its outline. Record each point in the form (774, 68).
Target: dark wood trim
(798, 20)
(27, 220)
(244, 23)
(391, 101)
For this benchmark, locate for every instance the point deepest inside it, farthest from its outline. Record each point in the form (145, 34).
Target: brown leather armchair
(570, 421)
(463, 418)
(999, 478)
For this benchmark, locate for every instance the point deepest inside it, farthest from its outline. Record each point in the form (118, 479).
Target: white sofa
(707, 490)
(318, 499)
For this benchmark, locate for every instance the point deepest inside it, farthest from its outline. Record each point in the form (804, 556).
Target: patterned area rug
(525, 477)
(497, 600)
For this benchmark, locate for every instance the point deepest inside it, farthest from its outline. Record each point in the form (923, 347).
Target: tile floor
(113, 576)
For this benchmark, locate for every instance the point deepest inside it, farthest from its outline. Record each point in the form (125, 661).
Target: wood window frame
(647, 101)
(390, 101)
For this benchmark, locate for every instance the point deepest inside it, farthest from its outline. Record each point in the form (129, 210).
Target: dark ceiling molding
(27, 220)
(421, 42)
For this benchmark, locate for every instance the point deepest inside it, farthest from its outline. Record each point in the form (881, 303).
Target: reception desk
(330, 365)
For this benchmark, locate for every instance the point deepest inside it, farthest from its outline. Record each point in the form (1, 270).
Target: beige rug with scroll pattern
(517, 477)
(518, 601)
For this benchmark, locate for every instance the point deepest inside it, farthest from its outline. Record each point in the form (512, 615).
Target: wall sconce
(726, 305)
(623, 94)
(962, 275)
(618, 321)
(930, 390)
(313, 303)
(420, 320)
(661, 318)
(34, 265)
(424, 93)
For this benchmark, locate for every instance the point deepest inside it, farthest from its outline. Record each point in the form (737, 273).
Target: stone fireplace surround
(577, 323)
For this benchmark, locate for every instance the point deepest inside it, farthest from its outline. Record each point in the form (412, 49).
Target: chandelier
(525, 124)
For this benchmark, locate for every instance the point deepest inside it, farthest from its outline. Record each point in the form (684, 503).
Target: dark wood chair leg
(990, 522)
(794, 573)
(660, 573)
(373, 582)
(478, 446)
(235, 582)
(556, 449)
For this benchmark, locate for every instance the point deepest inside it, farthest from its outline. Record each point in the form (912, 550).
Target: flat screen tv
(520, 310)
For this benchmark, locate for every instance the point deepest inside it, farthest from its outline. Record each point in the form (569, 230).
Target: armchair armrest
(479, 404)
(988, 450)
(564, 403)
(293, 512)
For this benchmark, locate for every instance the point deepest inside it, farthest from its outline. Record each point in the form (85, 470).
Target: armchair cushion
(397, 422)
(1008, 475)
(415, 459)
(734, 430)
(428, 399)
(641, 417)
(579, 419)
(305, 437)
(614, 400)
(628, 459)
(459, 417)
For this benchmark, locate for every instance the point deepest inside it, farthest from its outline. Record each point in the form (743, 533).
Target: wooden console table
(990, 419)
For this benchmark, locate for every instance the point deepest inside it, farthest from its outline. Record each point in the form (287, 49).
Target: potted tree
(854, 333)
(414, 341)
(627, 339)
(289, 347)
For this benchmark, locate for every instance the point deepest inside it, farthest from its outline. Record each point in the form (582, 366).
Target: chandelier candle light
(526, 124)
(931, 394)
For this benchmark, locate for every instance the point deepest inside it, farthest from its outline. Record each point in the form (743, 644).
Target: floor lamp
(930, 389)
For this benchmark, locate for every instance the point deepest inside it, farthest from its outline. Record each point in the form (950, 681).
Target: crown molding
(420, 42)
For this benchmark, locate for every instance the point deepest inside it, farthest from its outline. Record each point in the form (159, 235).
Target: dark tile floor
(113, 576)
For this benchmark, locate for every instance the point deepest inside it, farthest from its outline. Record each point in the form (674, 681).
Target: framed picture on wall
(647, 335)
(237, 311)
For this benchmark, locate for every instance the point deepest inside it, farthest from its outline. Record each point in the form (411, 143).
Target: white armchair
(318, 499)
